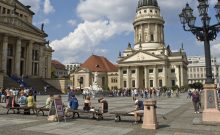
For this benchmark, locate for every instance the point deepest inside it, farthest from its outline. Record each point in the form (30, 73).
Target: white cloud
(48, 8)
(35, 4)
(73, 23)
(100, 22)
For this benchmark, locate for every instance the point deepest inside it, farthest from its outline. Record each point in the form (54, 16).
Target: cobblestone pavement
(175, 117)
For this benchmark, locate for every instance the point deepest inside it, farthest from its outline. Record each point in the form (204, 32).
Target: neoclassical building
(98, 67)
(23, 47)
(149, 63)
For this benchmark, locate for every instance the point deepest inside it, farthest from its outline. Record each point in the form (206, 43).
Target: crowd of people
(144, 93)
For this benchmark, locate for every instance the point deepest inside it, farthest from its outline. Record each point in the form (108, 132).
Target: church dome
(142, 3)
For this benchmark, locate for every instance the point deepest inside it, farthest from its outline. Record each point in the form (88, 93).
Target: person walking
(196, 100)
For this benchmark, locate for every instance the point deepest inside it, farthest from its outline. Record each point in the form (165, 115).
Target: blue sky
(79, 28)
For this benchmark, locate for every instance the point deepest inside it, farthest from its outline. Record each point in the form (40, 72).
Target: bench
(97, 113)
(20, 108)
(118, 115)
(42, 109)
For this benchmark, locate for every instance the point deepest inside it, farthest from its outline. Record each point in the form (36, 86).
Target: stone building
(106, 73)
(150, 63)
(58, 69)
(23, 47)
(71, 67)
(197, 70)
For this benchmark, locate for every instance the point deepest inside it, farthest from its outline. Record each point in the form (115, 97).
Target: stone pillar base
(150, 116)
(211, 116)
(211, 111)
(150, 126)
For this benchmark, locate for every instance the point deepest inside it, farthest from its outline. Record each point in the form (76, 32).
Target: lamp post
(204, 33)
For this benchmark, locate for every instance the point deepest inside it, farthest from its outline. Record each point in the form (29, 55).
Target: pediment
(141, 56)
(16, 22)
(18, 5)
(81, 70)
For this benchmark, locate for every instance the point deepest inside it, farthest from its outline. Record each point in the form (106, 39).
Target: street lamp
(204, 33)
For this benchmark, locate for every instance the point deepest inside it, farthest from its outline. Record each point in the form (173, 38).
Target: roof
(142, 3)
(99, 64)
(57, 65)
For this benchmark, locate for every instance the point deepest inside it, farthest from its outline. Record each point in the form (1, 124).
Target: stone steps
(9, 83)
(38, 84)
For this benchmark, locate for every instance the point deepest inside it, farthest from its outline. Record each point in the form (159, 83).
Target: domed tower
(148, 26)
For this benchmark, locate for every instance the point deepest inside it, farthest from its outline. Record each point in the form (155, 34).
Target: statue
(42, 27)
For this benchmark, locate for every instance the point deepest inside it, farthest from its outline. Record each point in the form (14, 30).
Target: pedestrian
(196, 100)
(73, 103)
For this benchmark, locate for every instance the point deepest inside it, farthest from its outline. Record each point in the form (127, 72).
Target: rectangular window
(173, 70)
(151, 70)
(160, 70)
(125, 84)
(133, 83)
(8, 11)
(152, 37)
(173, 82)
(160, 83)
(4, 10)
(124, 71)
(10, 50)
(151, 83)
(133, 71)
(22, 52)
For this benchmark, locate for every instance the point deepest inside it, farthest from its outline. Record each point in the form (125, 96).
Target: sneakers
(198, 112)
(195, 112)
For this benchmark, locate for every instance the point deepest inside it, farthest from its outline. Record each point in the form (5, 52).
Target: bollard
(150, 116)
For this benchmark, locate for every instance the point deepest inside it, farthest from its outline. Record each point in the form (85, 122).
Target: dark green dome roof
(142, 3)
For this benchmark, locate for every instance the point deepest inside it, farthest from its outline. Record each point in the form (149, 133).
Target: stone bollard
(150, 116)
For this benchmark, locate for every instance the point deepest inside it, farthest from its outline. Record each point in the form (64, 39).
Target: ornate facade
(150, 63)
(23, 47)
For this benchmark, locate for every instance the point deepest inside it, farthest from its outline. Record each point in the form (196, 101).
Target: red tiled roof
(99, 64)
(57, 64)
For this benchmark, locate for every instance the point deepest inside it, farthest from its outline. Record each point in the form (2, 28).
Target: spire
(119, 54)
(129, 45)
(182, 49)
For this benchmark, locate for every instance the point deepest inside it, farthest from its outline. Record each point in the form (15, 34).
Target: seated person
(139, 107)
(10, 102)
(73, 103)
(87, 104)
(49, 101)
(30, 100)
(22, 101)
(104, 105)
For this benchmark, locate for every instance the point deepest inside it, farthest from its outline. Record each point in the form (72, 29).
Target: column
(155, 77)
(29, 59)
(156, 33)
(137, 85)
(179, 75)
(4, 54)
(120, 81)
(146, 77)
(182, 75)
(128, 77)
(18, 57)
(49, 64)
(165, 76)
(41, 62)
